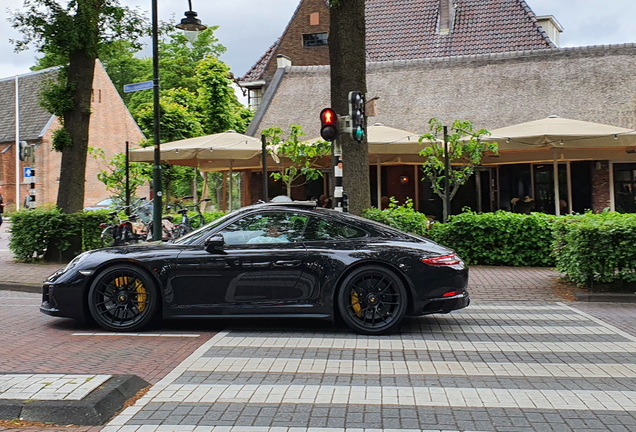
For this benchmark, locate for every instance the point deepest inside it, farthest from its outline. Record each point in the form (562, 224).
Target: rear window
(325, 229)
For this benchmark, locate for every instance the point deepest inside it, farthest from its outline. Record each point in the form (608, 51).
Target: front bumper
(65, 300)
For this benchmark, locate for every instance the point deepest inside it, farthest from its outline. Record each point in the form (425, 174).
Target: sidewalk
(20, 276)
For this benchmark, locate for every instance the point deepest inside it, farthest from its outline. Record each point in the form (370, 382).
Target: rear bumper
(443, 304)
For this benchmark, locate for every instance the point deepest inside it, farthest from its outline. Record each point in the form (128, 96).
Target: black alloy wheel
(123, 298)
(372, 300)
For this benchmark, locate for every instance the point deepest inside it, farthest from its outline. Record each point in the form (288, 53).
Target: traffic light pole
(337, 173)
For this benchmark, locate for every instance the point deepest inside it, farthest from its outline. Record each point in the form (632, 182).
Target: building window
(315, 40)
(254, 97)
(625, 187)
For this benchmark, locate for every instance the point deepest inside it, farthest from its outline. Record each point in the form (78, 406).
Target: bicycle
(185, 226)
(130, 230)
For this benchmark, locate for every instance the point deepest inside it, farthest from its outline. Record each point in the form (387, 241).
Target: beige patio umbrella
(560, 132)
(223, 151)
(220, 147)
(553, 133)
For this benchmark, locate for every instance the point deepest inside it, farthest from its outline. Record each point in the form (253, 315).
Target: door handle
(287, 263)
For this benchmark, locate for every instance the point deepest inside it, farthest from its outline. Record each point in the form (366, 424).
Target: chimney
(551, 26)
(282, 61)
(446, 16)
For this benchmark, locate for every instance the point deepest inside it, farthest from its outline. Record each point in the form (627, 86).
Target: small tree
(294, 158)
(465, 151)
(113, 173)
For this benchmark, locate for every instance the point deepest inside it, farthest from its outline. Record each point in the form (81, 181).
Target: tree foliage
(113, 173)
(294, 158)
(465, 151)
(73, 33)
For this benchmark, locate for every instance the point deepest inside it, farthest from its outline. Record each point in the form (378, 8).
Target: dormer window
(315, 40)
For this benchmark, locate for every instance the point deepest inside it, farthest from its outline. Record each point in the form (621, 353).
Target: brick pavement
(497, 366)
(524, 364)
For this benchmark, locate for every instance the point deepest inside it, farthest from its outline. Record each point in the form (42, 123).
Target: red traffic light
(328, 124)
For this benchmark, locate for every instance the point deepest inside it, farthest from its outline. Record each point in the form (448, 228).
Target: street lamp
(189, 24)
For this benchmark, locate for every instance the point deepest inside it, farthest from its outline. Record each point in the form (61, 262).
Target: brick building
(111, 125)
(492, 62)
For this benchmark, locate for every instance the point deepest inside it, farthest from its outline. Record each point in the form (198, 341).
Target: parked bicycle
(119, 231)
(188, 224)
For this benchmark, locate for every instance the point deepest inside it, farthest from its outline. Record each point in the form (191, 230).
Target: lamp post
(191, 26)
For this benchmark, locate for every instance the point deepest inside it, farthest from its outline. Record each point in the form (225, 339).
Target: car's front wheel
(372, 300)
(123, 298)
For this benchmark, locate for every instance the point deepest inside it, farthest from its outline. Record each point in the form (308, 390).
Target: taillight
(451, 294)
(102, 225)
(445, 260)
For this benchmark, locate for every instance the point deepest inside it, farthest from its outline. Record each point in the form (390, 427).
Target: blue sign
(28, 172)
(129, 88)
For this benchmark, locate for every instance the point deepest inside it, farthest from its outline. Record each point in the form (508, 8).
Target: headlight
(75, 261)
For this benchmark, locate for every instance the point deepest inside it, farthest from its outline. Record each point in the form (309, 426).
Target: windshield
(199, 233)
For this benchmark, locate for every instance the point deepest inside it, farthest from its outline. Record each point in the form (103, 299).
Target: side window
(266, 227)
(322, 229)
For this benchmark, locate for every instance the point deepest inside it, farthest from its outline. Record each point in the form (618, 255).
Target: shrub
(404, 217)
(499, 238)
(33, 231)
(596, 248)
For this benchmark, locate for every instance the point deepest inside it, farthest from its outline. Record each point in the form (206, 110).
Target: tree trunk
(347, 56)
(81, 69)
(70, 197)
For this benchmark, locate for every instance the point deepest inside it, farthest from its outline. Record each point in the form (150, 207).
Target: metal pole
(378, 181)
(337, 170)
(17, 145)
(264, 162)
(446, 176)
(557, 199)
(156, 172)
(127, 178)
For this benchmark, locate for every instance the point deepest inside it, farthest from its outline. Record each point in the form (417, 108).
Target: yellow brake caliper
(142, 294)
(355, 304)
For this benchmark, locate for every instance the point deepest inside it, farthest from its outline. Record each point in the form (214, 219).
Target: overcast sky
(248, 27)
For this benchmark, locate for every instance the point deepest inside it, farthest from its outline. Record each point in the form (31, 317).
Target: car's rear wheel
(372, 300)
(123, 298)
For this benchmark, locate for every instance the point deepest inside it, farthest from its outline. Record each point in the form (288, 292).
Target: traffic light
(356, 111)
(345, 202)
(25, 150)
(328, 124)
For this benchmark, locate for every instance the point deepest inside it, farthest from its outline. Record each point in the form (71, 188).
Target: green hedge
(500, 238)
(597, 248)
(33, 231)
(404, 218)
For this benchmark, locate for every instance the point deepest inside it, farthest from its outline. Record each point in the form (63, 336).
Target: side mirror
(214, 243)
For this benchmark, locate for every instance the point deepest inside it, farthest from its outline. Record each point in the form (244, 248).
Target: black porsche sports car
(267, 260)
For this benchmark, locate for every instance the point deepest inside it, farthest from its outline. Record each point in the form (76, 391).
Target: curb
(24, 287)
(94, 410)
(606, 297)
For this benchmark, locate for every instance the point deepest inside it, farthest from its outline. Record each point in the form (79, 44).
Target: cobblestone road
(493, 367)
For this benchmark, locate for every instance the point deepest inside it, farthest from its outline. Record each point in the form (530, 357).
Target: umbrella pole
(224, 192)
(379, 181)
(416, 181)
(230, 204)
(555, 165)
(569, 187)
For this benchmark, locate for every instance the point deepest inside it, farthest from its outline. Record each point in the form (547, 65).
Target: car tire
(123, 298)
(372, 300)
